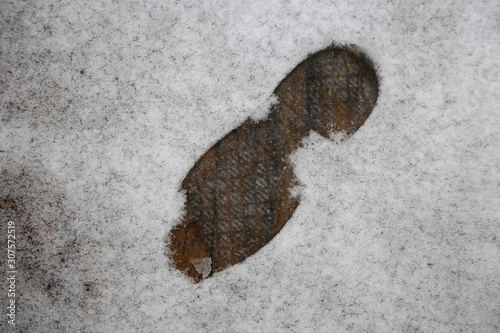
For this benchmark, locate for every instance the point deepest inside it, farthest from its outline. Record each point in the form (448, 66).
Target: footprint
(238, 193)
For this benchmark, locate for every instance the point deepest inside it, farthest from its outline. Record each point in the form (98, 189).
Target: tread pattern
(238, 194)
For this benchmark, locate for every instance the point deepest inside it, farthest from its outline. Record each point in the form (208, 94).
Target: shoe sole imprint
(238, 194)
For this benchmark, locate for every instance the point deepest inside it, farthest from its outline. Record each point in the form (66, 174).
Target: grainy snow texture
(106, 105)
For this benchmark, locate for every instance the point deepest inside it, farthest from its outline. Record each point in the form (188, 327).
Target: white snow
(107, 105)
(202, 265)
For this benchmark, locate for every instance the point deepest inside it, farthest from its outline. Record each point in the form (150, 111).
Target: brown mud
(238, 192)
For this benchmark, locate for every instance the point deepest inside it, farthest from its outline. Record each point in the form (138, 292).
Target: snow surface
(106, 105)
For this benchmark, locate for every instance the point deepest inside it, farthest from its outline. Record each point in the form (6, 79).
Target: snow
(106, 105)
(202, 265)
